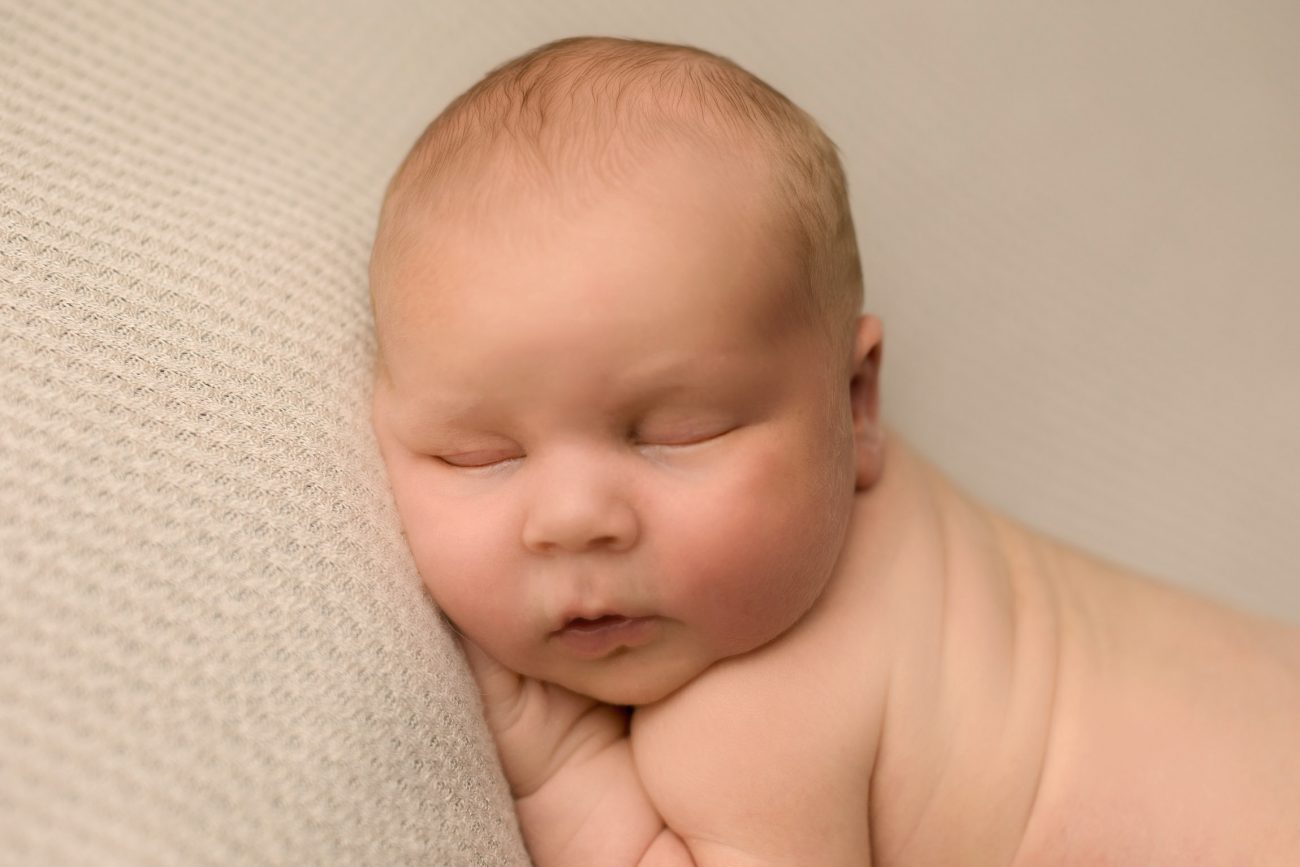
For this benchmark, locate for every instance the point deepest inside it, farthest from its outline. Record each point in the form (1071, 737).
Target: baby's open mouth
(597, 637)
(593, 624)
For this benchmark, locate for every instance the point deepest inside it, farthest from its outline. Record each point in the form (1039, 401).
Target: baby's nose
(580, 516)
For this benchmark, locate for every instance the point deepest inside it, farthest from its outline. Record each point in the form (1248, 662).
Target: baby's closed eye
(479, 459)
(657, 437)
(681, 435)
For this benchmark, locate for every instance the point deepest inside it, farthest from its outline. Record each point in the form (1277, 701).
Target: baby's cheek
(458, 554)
(442, 529)
(757, 542)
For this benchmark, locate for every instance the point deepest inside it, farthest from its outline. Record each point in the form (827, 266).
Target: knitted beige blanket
(213, 645)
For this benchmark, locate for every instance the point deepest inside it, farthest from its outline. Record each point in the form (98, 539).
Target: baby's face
(617, 453)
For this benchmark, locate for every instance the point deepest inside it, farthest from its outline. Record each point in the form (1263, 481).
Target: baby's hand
(569, 764)
(540, 728)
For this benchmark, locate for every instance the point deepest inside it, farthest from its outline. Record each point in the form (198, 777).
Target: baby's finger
(499, 686)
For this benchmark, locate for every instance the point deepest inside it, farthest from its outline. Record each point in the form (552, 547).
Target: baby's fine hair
(562, 107)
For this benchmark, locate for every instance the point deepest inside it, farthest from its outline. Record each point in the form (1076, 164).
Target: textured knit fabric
(213, 646)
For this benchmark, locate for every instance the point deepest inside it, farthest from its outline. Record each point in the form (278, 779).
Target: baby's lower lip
(601, 636)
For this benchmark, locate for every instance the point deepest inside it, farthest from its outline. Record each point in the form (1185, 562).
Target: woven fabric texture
(213, 646)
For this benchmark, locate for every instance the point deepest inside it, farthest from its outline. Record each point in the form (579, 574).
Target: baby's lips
(583, 615)
(597, 637)
(591, 624)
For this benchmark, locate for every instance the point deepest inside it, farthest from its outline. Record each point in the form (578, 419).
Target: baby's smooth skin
(634, 470)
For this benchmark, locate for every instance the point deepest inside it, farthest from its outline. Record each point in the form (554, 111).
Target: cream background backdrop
(1078, 223)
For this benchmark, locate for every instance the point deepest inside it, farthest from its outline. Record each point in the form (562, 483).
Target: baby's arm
(569, 764)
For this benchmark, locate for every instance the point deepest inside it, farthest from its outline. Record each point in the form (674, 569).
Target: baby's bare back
(969, 692)
(1176, 736)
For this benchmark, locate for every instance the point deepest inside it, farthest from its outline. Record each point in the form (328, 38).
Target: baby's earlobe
(868, 455)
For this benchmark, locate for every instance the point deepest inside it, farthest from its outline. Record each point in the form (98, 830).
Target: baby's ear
(864, 397)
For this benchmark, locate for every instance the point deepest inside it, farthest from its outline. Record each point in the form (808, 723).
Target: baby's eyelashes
(677, 439)
(485, 459)
(479, 459)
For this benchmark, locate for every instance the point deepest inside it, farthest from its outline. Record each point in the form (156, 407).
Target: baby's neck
(976, 630)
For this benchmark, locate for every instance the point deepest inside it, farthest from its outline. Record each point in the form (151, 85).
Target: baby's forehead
(507, 203)
(657, 255)
(548, 256)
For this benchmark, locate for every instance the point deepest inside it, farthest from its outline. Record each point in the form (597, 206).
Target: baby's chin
(625, 686)
(633, 695)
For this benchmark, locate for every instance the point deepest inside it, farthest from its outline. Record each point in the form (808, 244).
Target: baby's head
(623, 392)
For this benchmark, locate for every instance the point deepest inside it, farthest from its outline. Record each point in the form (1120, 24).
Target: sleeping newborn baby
(719, 613)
